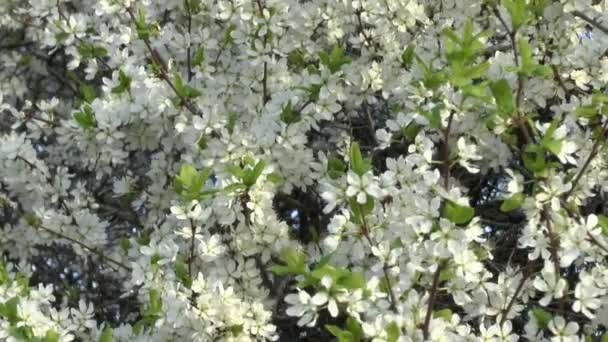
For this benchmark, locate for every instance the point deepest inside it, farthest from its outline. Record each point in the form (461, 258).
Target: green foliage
(432, 79)
(199, 56)
(513, 202)
(289, 115)
(392, 332)
(295, 262)
(86, 117)
(534, 158)
(361, 210)
(598, 106)
(503, 94)
(189, 183)
(336, 168)
(192, 6)
(181, 272)
(335, 59)
(407, 57)
(106, 335)
(8, 310)
(445, 314)
(183, 90)
(144, 30)
(359, 165)
(542, 316)
(352, 333)
(249, 174)
(549, 142)
(88, 50)
(88, 93)
(124, 83)
(151, 313)
(603, 222)
(518, 11)
(458, 214)
(528, 66)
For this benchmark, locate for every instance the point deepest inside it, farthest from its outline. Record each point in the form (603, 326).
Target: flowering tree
(229, 170)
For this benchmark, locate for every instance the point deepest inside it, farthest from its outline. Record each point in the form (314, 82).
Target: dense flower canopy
(263, 170)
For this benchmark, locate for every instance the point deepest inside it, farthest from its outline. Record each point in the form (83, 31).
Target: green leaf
(602, 220)
(392, 332)
(445, 314)
(201, 143)
(280, 270)
(517, 10)
(231, 122)
(85, 118)
(296, 60)
(357, 164)
(106, 335)
(336, 168)
(352, 281)
(88, 93)
(124, 83)
(288, 115)
(275, 178)
(251, 175)
(456, 213)
(502, 92)
(184, 90)
(189, 182)
(407, 57)
(342, 335)
(199, 57)
(542, 316)
(353, 326)
(8, 310)
(181, 272)
(534, 158)
(335, 59)
(513, 202)
(125, 244)
(295, 260)
(51, 336)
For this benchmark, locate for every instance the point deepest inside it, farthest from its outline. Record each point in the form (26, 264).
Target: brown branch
(192, 245)
(520, 287)
(593, 22)
(431, 304)
(189, 57)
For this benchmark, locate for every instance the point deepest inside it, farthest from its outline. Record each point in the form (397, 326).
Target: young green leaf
(502, 92)
(357, 164)
(459, 214)
(106, 335)
(542, 316)
(513, 202)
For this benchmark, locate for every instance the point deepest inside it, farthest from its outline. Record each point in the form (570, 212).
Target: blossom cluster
(357, 170)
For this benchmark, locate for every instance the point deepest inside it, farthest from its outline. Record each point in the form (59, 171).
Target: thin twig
(520, 286)
(431, 304)
(163, 71)
(84, 246)
(520, 80)
(596, 146)
(590, 21)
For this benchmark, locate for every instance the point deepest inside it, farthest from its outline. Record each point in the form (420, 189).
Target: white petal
(319, 299)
